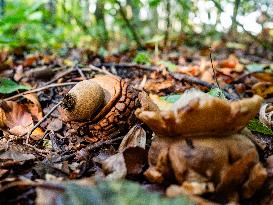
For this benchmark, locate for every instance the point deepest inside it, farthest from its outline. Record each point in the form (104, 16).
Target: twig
(40, 121)
(191, 79)
(101, 143)
(39, 151)
(194, 80)
(60, 76)
(129, 65)
(40, 89)
(95, 68)
(81, 73)
(214, 71)
(243, 76)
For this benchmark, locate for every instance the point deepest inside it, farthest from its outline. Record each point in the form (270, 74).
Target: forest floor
(44, 160)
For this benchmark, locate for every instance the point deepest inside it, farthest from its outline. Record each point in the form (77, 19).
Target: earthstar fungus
(199, 144)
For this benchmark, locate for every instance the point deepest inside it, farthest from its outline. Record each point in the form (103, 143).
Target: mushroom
(199, 143)
(101, 107)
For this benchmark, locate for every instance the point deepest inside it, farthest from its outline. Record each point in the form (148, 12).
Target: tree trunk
(101, 26)
(2, 7)
(129, 25)
(168, 9)
(233, 27)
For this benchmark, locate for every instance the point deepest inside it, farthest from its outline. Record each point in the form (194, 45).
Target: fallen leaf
(16, 156)
(19, 120)
(115, 167)
(34, 107)
(136, 137)
(263, 89)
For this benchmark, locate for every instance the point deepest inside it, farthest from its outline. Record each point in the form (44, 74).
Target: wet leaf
(8, 86)
(256, 126)
(16, 156)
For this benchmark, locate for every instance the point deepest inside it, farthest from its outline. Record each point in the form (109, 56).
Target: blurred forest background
(116, 25)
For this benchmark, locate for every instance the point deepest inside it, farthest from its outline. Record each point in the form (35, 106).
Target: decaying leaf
(263, 89)
(131, 158)
(198, 114)
(19, 119)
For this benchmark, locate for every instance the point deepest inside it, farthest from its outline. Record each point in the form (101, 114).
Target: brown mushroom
(199, 144)
(101, 107)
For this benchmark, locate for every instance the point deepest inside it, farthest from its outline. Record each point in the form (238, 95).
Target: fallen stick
(40, 89)
(40, 121)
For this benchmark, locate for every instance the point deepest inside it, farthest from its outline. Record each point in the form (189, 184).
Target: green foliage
(142, 58)
(171, 98)
(118, 193)
(8, 86)
(217, 92)
(256, 126)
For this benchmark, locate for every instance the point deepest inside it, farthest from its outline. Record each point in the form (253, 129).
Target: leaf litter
(58, 152)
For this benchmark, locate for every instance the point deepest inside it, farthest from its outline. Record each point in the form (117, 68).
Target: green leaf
(256, 126)
(217, 92)
(142, 58)
(256, 67)
(8, 86)
(169, 65)
(171, 98)
(118, 193)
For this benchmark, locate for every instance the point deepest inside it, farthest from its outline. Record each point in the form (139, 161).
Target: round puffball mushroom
(83, 101)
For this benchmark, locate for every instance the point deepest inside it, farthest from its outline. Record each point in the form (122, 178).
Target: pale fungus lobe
(83, 101)
(199, 143)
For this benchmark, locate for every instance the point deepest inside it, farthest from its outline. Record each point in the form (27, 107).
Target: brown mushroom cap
(111, 86)
(199, 114)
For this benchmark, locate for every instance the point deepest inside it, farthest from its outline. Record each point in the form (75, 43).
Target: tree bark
(2, 7)
(129, 25)
(168, 9)
(233, 27)
(101, 26)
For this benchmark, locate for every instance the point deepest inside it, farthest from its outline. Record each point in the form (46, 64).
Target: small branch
(81, 73)
(40, 122)
(38, 151)
(129, 65)
(91, 147)
(60, 76)
(214, 71)
(40, 89)
(95, 68)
